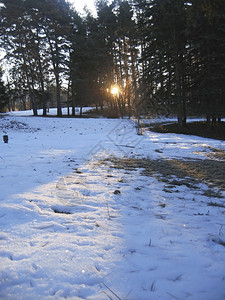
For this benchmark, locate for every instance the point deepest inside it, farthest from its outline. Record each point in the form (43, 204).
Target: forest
(135, 57)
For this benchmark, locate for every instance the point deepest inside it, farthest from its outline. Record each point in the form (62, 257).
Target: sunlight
(115, 91)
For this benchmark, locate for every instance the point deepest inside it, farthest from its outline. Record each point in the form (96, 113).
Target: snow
(50, 111)
(74, 225)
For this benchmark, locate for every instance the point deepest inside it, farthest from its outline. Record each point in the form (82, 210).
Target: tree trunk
(58, 100)
(73, 99)
(68, 98)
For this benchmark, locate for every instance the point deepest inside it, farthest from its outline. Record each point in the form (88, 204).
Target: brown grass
(190, 172)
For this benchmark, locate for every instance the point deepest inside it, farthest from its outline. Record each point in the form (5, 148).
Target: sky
(80, 4)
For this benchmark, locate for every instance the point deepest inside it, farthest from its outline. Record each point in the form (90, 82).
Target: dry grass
(216, 153)
(190, 172)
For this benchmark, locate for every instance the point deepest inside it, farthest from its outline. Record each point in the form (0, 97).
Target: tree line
(163, 56)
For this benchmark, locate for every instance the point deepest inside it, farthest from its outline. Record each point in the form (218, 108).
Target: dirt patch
(178, 172)
(217, 131)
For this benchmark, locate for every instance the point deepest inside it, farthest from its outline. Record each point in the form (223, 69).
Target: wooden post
(5, 138)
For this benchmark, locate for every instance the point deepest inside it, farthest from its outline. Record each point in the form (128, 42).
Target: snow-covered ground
(76, 225)
(50, 111)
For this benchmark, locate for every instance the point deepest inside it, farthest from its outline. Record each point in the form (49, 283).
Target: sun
(115, 90)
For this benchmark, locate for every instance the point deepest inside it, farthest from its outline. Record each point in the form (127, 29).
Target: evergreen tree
(91, 57)
(206, 29)
(56, 26)
(164, 53)
(127, 53)
(35, 37)
(15, 36)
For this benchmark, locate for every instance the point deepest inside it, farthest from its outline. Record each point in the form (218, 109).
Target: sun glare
(115, 90)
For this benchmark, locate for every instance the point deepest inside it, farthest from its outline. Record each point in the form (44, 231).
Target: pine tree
(164, 53)
(206, 29)
(35, 37)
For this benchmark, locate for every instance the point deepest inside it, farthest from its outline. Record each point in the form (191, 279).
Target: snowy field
(77, 223)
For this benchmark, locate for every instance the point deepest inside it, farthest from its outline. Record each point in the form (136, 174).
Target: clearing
(91, 210)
